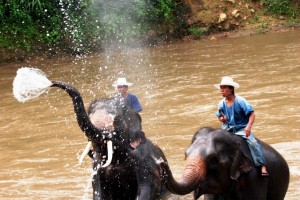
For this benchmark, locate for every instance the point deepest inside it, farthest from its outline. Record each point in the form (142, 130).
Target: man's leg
(256, 151)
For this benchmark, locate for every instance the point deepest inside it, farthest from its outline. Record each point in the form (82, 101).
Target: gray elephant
(219, 165)
(121, 172)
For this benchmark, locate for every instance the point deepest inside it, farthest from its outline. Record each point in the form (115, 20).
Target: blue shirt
(133, 102)
(237, 114)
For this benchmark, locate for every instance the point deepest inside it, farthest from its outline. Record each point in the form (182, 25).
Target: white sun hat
(121, 81)
(226, 80)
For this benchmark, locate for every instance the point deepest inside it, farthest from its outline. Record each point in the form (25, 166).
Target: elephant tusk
(85, 151)
(109, 153)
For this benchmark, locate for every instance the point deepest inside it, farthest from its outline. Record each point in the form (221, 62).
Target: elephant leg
(149, 185)
(144, 192)
(97, 190)
(96, 187)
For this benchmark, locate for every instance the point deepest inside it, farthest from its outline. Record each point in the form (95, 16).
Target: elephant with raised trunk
(219, 165)
(121, 172)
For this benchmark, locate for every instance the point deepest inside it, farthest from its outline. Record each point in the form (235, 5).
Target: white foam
(30, 83)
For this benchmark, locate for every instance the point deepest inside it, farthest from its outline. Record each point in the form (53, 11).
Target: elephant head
(108, 123)
(213, 157)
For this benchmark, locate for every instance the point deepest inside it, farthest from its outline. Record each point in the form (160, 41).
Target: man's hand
(223, 119)
(247, 131)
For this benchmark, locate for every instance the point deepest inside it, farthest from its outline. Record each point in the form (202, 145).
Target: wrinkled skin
(219, 165)
(133, 173)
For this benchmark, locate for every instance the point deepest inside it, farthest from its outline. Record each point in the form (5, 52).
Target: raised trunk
(192, 178)
(82, 118)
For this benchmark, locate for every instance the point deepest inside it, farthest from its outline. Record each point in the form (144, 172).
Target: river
(40, 140)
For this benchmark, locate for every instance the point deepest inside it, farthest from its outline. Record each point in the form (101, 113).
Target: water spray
(30, 83)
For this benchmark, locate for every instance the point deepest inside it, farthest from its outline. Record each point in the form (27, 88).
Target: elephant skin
(219, 166)
(133, 173)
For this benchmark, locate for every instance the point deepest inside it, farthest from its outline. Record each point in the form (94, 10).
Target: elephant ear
(240, 164)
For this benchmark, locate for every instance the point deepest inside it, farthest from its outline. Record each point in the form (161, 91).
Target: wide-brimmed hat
(226, 80)
(121, 81)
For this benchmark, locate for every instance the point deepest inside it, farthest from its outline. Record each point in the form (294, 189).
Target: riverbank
(244, 33)
(19, 56)
(210, 20)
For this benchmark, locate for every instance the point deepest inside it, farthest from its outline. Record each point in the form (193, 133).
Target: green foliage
(197, 31)
(292, 22)
(164, 8)
(254, 19)
(80, 26)
(281, 7)
(25, 24)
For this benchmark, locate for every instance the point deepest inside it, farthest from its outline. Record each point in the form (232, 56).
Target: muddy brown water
(41, 142)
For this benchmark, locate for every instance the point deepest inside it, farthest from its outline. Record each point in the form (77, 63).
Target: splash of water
(30, 83)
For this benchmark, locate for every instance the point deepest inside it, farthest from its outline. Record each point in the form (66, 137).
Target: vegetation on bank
(84, 26)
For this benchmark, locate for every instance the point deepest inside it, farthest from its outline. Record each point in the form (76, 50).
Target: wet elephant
(121, 173)
(219, 165)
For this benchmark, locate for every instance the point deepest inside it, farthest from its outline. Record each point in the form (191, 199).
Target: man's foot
(264, 171)
(264, 174)
(135, 143)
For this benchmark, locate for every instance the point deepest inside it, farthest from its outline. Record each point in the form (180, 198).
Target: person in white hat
(237, 117)
(130, 100)
(133, 102)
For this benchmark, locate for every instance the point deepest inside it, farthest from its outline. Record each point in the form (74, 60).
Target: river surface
(41, 142)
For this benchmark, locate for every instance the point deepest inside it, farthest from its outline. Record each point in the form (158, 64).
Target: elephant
(219, 166)
(121, 172)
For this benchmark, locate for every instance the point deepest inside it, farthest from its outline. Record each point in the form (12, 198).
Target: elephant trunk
(82, 118)
(193, 176)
